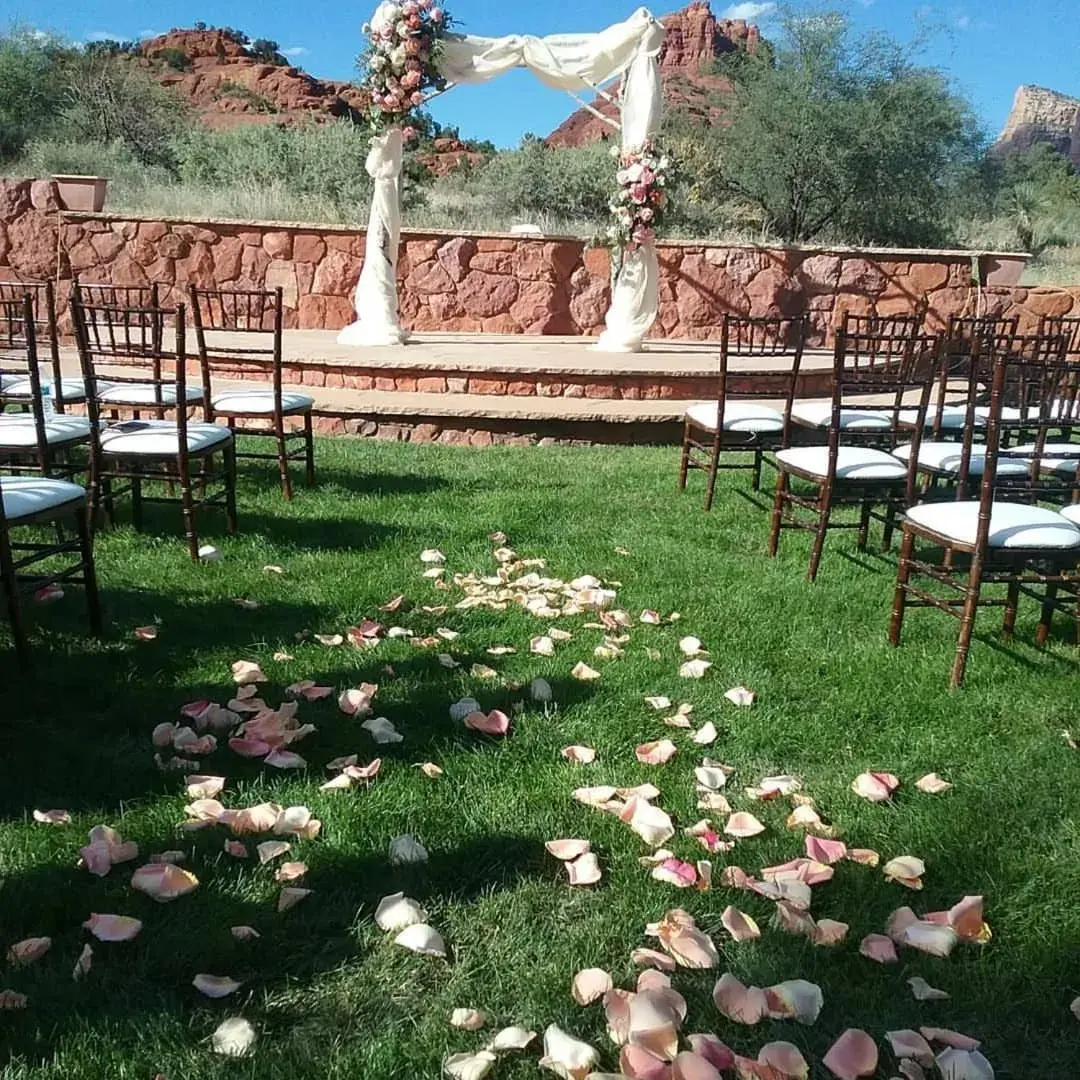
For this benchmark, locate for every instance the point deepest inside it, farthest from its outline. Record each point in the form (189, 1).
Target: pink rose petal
(164, 881)
(875, 786)
(580, 755)
(740, 926)
(112, 927)
(853, 1055)
(742, 825)
(656, 753)
(880, 948)
(590, 985)
(494, 723)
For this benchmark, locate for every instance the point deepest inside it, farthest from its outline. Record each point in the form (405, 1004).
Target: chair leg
(967, 624)
(825, 510)
(86, 554)
(864, 524)
(755, 482)
(782, 481)
(684, 463)
(1012, 602)
(309, 450)
(903, 575)
(890, 526)
(108, 502)
(187, 502)
(714, 469)
(283, 463)
(11, 595)
(229, 465)
(136, 504)
(1046, 615)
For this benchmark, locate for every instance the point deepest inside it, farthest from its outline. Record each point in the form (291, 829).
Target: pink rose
(424, 4)
(410, 134)
(417, 98)
(410, 7)
(437, 15)
(647, 176)
(414, 22)
(412, 46)
(410, 80)
(412, 64)
(639, 193)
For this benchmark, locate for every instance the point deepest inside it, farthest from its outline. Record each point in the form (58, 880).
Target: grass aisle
(328, 994)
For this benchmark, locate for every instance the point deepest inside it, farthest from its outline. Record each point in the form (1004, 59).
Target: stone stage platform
(482, 389)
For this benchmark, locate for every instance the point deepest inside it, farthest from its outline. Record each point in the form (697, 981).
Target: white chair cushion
(146, 394)
(1058, 457)
(945, 457)
(159, 438)
(25, 496)
(1071, 513)
(952, 417)
(746, 416)
(261, 402)
(852, 463)
(1008, 412)
(18, 430)
(819, 414)
(18, 388)
(1065, 410)
(1012, 525)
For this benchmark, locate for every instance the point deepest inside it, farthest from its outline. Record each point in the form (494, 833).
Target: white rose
(378, 62)
(397, 59)
(665, 163)
(622, 177)
(633, 173)
(386, 14)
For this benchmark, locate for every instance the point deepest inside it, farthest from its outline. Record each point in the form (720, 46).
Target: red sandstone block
(487, 386)
(334, 379)
(405, 383)
(631, 391)
(549, 389)
(480, 438)
(360, 382)
(385, 382)
(601, 390)
(425, 433)
(573, 390)
(521, 388)
(456, 385)
(454, 436)
(668, 392)
(431, 384)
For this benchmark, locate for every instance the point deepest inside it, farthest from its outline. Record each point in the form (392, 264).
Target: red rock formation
(226, 86)
(1042, 116)
(695, 38)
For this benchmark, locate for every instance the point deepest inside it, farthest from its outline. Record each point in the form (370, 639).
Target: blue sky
(989, 47)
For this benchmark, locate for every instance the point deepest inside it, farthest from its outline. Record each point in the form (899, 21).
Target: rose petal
(794, 999)
(656, 753)
(52, 817)
(590, 985)
(582, 672)
(423, 939)
(236, 849)
(215, 986)
(718, 1054)
(271, 849)
(567, 850)
(405, 850)
(785, 1060)
(742, 825)
(740, 696)
(658, 702)
(824, 851)
(565, 1056)
(905, 870)
(244, 933)
(584, 870)
(542, 646)
(929, 938)
(652, 958)
(955, 1039)
(164, 881)
(83, 964)
(694, 669)
(740, 926)
(954, 1064)
(739, 1003)
(910, 1044)
(397, 911)
(430, 770)
(880, 948)
(875, 786)
(290, 871)
(690, 646)
(864, 856)
(966, 918)
(675, 872)
(706, 734)
(511, 1038)
(495, 722)
(233, 1037)
(853, 1055)
(357, 700)
(688, 945)
(290, 896)
(648, 821)
(467, 1019)
(247, 671)
(932, 784)
(284, 759)
(921, 990)
(580, 755)
(204, 787)
(28, 950)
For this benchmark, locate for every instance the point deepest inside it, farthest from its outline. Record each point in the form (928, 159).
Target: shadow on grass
(373, 483)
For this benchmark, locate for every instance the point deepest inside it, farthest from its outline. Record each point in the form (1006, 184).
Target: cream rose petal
(590, 985)
(113, 927)
(875, 786)
(739, 925)
(742, 825)
(656, 753)
(244, 933)
(740, 696)
(423, 939)
(290, 896)
(880, 948)
(932, 784)
(164, 881)
(215, 986)
(853, 1055)
(397, 911)
(233, 1037)
(510, 1038)
(469, 1065)
(584, 870)
(921, 990)
(467, 1019)
(28, 950)
(567, 849)
(565, 1056)
(694, 669)
(580, 755)
(583, 673)
(739, 1003)
(905, 870)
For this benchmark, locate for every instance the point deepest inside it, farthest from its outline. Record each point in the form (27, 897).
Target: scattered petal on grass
(582, 672)
(910, 1044)
(1074, 1007)
(430, 770)
(649, 618)
(290, 871)
(711, 776)
(28, 950)
(52, 817)
(272, 849)
(83, 964)
(580, 755)
(542, 646)
(284, 759)
(658, 702)
(113, 927)
(785, 1060)
(648, 821)
(236, 849)
(739, 925)
(204, 787)
(590, 985)
(829, 932)
(565, 1056)
(215, 986)
(289, 897)
(331, 641)
(469, 1065)
(694, 669)
(875, 786)
(510, 1038)
(432, 556)
(706, 734)
(233, 1037)
(966, 918)
(584, 870)
(567, 850)
(656, 753)
(955, 1039)
(11, 999)
(244, 933)
(740, 1004)
(825, 851)
(467, 1019)
(905, 870)
(682, 875)
(482, 671)
(164, 881)
(954, 1064)
(282, 657)
(423, 939)
(382, 731)
(495, 722)
(794, 999)
(308, 690)
(929, 938)
(774, 787)
(397, 911)
(932, 784)
(921, 990)
(740, 696)
(880, 948)
(690, 646)
(742, 825)
(653, 958)
(357, 701)
(270, 568)
(405, 850)
(853, 1055)
(145, 633)
(247, 671)
(105, 849)
(690, 947)
(864, 856)
(594, 796)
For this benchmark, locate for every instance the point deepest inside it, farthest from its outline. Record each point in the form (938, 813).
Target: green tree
(833, 134)
(31, 90)
(267, 52)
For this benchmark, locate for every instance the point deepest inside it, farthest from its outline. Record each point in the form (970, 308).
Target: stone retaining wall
(491, 284)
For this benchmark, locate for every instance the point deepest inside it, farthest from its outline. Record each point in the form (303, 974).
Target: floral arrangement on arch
(400, 61)
(646, 173)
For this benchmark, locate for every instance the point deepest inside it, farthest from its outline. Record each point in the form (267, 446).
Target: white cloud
(964, 22)
(295, 50)
(103, 35)
(746, 11)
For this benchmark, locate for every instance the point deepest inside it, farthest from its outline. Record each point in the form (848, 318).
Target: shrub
(175, 58)
(259, 102)
(267, 52)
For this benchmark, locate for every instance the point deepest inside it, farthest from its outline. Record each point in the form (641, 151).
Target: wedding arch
(572, 62)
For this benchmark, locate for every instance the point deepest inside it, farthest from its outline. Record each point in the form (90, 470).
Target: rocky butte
(1039, 115)
(695, 40)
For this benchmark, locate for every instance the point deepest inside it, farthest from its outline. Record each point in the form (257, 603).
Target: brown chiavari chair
(875, 375)
(34, 441)
(1004, 537)
(740, 423)
(229, 326)
(140, 451)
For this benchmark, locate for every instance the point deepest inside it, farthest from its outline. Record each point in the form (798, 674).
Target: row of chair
(968, 435)
(131, 418)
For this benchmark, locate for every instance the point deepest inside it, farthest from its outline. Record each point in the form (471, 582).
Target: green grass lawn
(328, 993)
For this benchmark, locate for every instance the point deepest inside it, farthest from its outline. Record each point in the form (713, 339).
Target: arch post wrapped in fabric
(572, 62)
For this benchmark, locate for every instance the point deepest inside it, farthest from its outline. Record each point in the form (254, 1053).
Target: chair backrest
(782, 340)
(13, 335)
(121, 320)
(28, 371)
(238, 330)
(1067, 325)
(1020, 421)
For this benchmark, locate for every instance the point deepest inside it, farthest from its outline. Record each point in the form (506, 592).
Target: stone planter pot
(85, 194)
(1003, 270)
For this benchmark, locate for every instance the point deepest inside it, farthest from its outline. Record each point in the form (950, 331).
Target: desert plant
(175, 58)
(267, 52)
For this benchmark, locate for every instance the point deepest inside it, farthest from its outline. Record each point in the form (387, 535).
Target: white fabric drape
(573, 62)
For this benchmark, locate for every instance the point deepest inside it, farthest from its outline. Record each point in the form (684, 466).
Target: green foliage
(260, 102)
(836, 135)
(176, 58)
(31, 88)
(267, 52)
